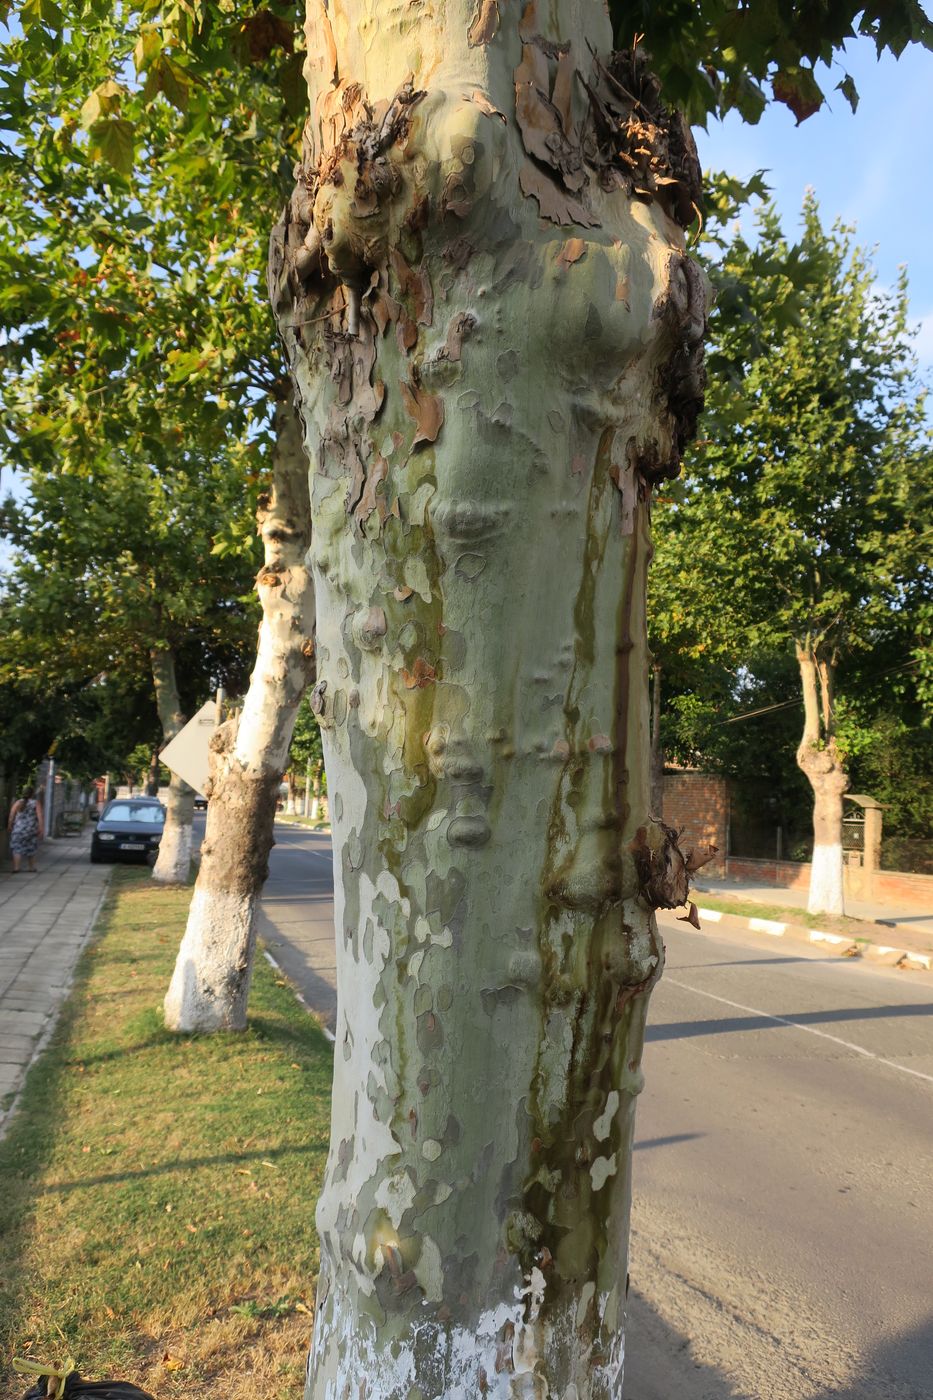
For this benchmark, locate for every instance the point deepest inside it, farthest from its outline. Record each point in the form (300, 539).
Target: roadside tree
(495, 332)
(804, 523)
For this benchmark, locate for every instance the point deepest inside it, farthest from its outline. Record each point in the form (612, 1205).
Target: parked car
(130, 828)
(200, 802)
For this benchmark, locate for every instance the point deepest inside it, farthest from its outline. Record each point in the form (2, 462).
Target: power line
(786, 704)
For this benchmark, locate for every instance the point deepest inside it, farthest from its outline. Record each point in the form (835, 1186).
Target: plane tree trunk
(819, 759)
(210, 984)
(173, 863)
(496, 343)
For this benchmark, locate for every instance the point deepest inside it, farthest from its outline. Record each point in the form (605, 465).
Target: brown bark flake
(553, 203)
(426, 409)
(570, 252)
(485, 106)
(423, 674)
(485, 23)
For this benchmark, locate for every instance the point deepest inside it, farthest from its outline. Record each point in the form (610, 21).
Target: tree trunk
(657, 752)
(315, 809)
(152, 786)
(291, 801)
(488, 398)
(173, 862)
(210, 983)
(819, 759)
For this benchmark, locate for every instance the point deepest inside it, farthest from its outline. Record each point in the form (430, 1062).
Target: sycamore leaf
(169, 78)
(798, 89)
(263, 32)
(113, 140)
(104, 101)
(41, 12)
(148, 47)
(849, 91)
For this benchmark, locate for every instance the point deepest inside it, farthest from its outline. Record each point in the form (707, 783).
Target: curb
(299, 997)
(909, 959)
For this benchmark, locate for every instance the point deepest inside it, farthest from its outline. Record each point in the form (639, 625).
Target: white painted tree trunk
(209, 989)
(173, 863)
(495, 346)
(819, 759)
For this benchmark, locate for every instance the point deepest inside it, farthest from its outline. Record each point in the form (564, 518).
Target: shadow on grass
(187, 1164)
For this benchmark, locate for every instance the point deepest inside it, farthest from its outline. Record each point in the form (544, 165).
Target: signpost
(187, 753)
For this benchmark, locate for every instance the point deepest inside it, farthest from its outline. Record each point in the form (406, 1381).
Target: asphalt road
(782, 1241)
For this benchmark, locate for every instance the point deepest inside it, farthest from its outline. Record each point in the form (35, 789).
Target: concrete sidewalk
(44, 921)
(905, 919)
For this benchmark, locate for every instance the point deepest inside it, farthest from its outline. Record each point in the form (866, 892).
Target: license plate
(132, 846)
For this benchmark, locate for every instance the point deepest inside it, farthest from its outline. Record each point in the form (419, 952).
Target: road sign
(187, 753)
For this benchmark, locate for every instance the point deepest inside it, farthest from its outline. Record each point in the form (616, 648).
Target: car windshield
(149, 814)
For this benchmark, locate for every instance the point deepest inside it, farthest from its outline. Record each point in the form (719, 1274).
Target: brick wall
(887, 886)
(792, 874)
(698, 803)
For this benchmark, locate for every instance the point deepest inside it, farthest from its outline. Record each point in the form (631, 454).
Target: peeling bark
(173, 863)
(482, 691)
(818, 758)
(210, 983)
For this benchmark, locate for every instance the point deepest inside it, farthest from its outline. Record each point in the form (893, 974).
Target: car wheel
(96, 859)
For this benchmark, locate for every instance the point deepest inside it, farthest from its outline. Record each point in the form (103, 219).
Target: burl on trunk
(496, 338)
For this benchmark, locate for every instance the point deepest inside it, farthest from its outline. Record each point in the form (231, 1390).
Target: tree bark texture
(173, 862)
(819, 759)
(496, 345)
(210, 984)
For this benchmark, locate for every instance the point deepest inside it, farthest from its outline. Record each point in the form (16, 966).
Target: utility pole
(49, 803)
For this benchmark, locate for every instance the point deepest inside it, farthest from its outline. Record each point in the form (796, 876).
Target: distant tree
(804, 522)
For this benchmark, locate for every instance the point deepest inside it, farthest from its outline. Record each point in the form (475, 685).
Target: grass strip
(791, 914)
(157, 1192)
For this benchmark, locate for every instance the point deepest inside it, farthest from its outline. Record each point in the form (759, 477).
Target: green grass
(790, 914)
(157, 1192)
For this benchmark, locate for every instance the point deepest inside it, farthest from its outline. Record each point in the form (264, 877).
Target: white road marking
(811, 1030)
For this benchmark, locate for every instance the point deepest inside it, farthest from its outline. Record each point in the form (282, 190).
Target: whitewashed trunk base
(210, 985)
(173, 864)
(504, 1356)
(826, 881)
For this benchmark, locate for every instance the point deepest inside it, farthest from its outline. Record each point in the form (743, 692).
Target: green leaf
(169, 78)
(849, 91)
(41, 12)
(114, 139)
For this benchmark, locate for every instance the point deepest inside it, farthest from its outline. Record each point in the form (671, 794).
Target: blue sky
(871, 168)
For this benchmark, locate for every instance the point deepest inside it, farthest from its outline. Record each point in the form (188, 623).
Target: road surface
(783, 1216)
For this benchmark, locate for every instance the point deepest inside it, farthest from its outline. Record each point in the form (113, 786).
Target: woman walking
(26, 827)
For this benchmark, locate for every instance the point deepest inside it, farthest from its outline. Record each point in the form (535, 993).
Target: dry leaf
(691, 916)
(699, 857)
